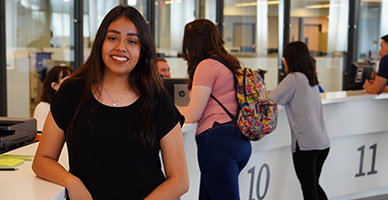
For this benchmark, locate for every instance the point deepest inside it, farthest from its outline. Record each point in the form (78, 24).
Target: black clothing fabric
(308, 166)
(103, 152)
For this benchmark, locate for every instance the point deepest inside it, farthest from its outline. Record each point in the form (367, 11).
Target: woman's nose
(121, 46)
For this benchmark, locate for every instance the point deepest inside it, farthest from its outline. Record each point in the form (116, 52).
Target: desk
(23, 183)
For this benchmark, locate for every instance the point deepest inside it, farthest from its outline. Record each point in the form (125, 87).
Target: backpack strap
(234, 119)
(221, 61)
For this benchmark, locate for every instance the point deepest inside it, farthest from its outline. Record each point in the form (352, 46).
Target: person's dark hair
(298, 59)
(385, 38)
(202, 40)
(54, 75)
(143, 79)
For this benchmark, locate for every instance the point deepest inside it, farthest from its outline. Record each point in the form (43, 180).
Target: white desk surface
(351, 95)
(23, 183)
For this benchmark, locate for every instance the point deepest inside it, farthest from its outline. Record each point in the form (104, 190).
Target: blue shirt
(383, 67)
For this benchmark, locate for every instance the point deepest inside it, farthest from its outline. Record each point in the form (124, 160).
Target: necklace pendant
(114, 104)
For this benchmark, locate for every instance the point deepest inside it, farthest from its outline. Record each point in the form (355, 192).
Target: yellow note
(9, 162)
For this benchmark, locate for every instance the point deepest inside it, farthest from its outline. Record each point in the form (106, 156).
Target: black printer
(16, 132)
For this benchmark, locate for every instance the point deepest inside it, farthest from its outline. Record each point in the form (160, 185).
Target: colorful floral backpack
(257, 114)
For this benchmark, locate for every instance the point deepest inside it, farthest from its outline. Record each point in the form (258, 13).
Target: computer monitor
(177, 89)
(359, 72)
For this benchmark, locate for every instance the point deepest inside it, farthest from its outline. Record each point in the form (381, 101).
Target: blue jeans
(222, 153)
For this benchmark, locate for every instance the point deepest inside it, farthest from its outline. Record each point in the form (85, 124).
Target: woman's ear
(55, 85)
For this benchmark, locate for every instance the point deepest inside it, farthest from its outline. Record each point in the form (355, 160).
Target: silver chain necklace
(115, 102)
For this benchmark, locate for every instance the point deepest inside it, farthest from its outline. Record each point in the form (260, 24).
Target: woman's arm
(175, 165)
(284, 92)
(198, 100)
(46, 166)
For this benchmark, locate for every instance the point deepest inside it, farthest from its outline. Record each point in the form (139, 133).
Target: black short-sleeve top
(103, 152)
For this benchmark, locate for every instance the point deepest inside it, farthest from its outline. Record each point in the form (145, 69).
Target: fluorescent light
(319, 6)
(171, 2)
(132, 2)
(254, 3)
(371, 1)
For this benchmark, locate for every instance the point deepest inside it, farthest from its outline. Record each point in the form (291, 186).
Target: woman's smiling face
(121, 48)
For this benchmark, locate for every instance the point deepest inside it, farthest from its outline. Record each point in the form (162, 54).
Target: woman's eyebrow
(114, 31)
(133, 34)
(128, 34)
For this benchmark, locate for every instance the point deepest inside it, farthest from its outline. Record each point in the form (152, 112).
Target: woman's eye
(132, 41)
(112, 38)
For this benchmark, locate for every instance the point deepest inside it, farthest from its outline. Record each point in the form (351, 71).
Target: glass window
(94, 13)
(251, 34)
(323, 25)
(370, 29)
(37, 35)
(170, 20)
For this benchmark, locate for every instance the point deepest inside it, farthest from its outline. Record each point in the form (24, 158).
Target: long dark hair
(202, 40)
(298, 59)
(54, 75)
(143, 79)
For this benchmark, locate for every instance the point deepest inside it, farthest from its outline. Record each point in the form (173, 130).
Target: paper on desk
(21, 157)
(10, 162)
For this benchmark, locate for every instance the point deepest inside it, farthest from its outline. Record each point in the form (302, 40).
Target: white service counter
(357, 165)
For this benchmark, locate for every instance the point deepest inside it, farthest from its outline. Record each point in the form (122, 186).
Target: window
(322, 25)
(38, 38)
(251, 34)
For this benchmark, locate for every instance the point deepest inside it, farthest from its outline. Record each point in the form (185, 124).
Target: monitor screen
(359, 72)
(177, 89)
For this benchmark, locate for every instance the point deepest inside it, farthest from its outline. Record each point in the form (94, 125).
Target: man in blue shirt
(379, 85)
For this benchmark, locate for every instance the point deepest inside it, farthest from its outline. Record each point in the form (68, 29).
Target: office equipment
(16, 132)
(177, 89)
(359, 72)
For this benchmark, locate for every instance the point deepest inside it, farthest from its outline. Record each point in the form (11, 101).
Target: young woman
(299, 93)
(115, 118)
(223, 151)
(51, 83)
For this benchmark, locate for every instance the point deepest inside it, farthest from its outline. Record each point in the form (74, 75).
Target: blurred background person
(310, 142)
(163, 67)
(379, 84)
(223, 151)
(51, 83)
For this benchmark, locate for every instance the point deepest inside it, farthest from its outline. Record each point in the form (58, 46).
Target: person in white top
(51, 83)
